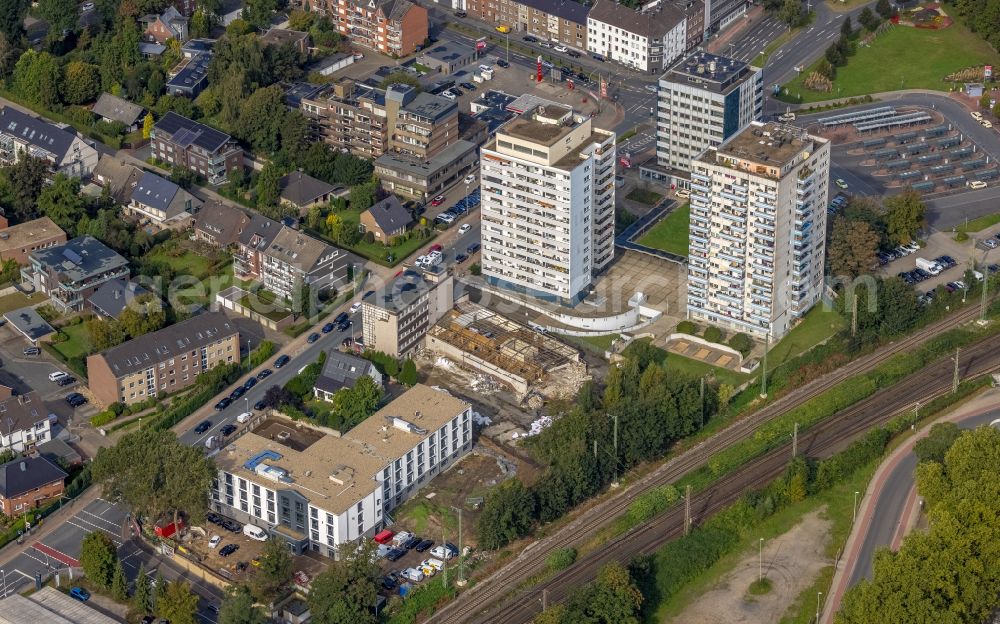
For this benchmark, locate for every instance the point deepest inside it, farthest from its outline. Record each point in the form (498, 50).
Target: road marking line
(117, 525)
(114, 537)
(27, 576)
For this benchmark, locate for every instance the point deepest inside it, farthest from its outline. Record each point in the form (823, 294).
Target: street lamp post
(819, 597)
(855, 518)
(760, 561)
(4, 575)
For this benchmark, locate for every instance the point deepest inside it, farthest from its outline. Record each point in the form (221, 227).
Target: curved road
(885, 512)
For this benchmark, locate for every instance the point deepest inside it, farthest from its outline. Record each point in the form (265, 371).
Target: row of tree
(643, 406)
(868, 225)
(950, 572)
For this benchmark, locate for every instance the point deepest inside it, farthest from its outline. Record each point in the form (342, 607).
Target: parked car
(840, 183)
(329, 327)
(228, 549)
(460, 258)
(388, 583)
(80, 594)
(355, 307)
(411, 543)
(227, 429)
(67, 380)
(503, 63)
(75, 399)
(977, 184)
(313, 337)
(237, 392)
(437, 201)
(56, 376)
(259, 405)
(598, 57)
(203, 426)
(250, 383)
(264, 374)
(561, 49)
(473, 248)
(573, 54)
(545, 44)
(424, 545)
(281, 361)
(529, 39)
(468, 86)
(395, 554)
(29, 351)
(444, 551)
(212, 543)
(461, 14)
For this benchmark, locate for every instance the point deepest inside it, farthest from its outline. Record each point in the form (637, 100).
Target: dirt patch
(791, 561)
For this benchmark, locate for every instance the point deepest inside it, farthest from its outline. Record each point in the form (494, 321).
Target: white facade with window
(647, 41)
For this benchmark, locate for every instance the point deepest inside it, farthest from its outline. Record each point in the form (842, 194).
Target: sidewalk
(720, 42)
(866, 510)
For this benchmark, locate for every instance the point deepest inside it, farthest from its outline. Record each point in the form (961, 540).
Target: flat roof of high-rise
(708, 71)
(770, 143)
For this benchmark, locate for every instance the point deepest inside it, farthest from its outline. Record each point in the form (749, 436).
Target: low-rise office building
(188, 144)
(419, 179)
(163, 361)
(18, 241)
(395, 319)
(322, 490)
(71, 272)
(65, 150)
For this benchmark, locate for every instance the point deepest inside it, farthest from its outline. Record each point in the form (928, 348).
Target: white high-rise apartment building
(548, 203)
(758, 225)
(702, 101)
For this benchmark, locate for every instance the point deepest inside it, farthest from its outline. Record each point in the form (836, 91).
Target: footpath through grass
(671, 233)
(941, 52)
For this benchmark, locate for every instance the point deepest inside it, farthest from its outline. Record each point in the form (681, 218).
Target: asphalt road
(891, 505)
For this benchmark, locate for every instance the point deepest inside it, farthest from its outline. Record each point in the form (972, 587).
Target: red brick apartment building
(393, 27)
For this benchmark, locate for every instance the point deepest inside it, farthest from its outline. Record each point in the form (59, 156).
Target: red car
(434, 247)
(383, 537)
(437, 201)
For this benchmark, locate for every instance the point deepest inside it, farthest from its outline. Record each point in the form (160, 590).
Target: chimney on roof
(24, 467)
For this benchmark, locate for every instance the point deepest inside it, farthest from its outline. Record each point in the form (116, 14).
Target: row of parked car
(885, 257)
(394, 546)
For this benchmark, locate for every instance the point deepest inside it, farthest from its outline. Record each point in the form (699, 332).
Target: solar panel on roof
(184, 137)
(72, 256)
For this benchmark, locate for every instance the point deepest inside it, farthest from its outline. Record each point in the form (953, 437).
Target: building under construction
(516, 355)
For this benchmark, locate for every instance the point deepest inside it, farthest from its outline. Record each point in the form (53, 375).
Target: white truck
(930, 266)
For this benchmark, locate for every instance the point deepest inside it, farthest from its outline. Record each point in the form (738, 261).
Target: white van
(255, 532)
(413, 574)
(210, 442)
(244, 417)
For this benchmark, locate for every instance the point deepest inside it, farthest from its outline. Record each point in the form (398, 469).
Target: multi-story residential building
(161, 202)
(168, 25)
(758, 226)
(24, 420)
(280, 257)
(648, 40)
(220, 224)
(184, 143)
(320, 491)
(419, 179)
(189, 77)
(163, 361)
(29, 483)
(370, 122)
(702, 101)
(64, 150)
(396, 318)
(548, 203)
(343, 370)
(392, 27)
(559, 21)
(17, 241)
(71, 272)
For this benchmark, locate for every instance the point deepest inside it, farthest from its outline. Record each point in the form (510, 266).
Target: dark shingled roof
(342, 370)
(154, 191)
(184, 132)
(35, 131)
(26, 474)
(222, 221)
(146, 350)
(650, 24)
(301, 189)
(563, 9)
(113, 296)
(117, 109)
(390, 215)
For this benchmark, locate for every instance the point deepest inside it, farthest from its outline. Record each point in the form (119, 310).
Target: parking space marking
(114, 538)
(98, 518)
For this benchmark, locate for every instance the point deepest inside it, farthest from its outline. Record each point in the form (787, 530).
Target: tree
(363, 195)
(833, 55)
(295, 133)
(81, 82)
(905, 216)
(274, 572)
(238, 607)
(938, 441)
(883, 8)
(825, 68)
(27, 177)
(155, 474)
(852, 248)
(178, 603)
(791, 12)
(62, 16)
(257, 13)
(408, 374)
(301, 20)
(401, 77)
(268, 185)
(12, 14)
(36, 78)
(868, 19)
(261, 118)
(615, 597)
(507, 515)
(358, 402)
(201, 24)
(98, 558)
(846, 27)
(996, 108)
(119, 584)
(147, 126)
(61, 201)
(142, 597)
(345, 592)
(159, 591)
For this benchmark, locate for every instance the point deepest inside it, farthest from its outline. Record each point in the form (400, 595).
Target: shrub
(102, 418)
(561, 559)
(687, 327)
(713, 334)
(742, 343)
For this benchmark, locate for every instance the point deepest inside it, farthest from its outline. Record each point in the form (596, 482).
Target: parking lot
(234, 565)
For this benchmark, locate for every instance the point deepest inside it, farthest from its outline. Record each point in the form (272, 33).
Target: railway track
(470, 605)
(822, 440)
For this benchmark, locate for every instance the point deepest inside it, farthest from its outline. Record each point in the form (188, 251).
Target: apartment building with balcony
(548, 203)
(757, 230)
(71, 272)
(702, 101)
(396, 318)
(163, 361)
(181, 142)
(64, 150)
(392, 27)
(558, 21)
(317, 491)
(649, 39)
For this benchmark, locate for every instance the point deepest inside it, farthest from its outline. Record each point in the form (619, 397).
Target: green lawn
(902, 58)
(671, 233)
(644, 196)
(78, 344)
(598, 344)
(376, 251)
(265, 305)
(694, 368)
(979, 224)
(17, 300)
(818, 325)
(187, 263)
